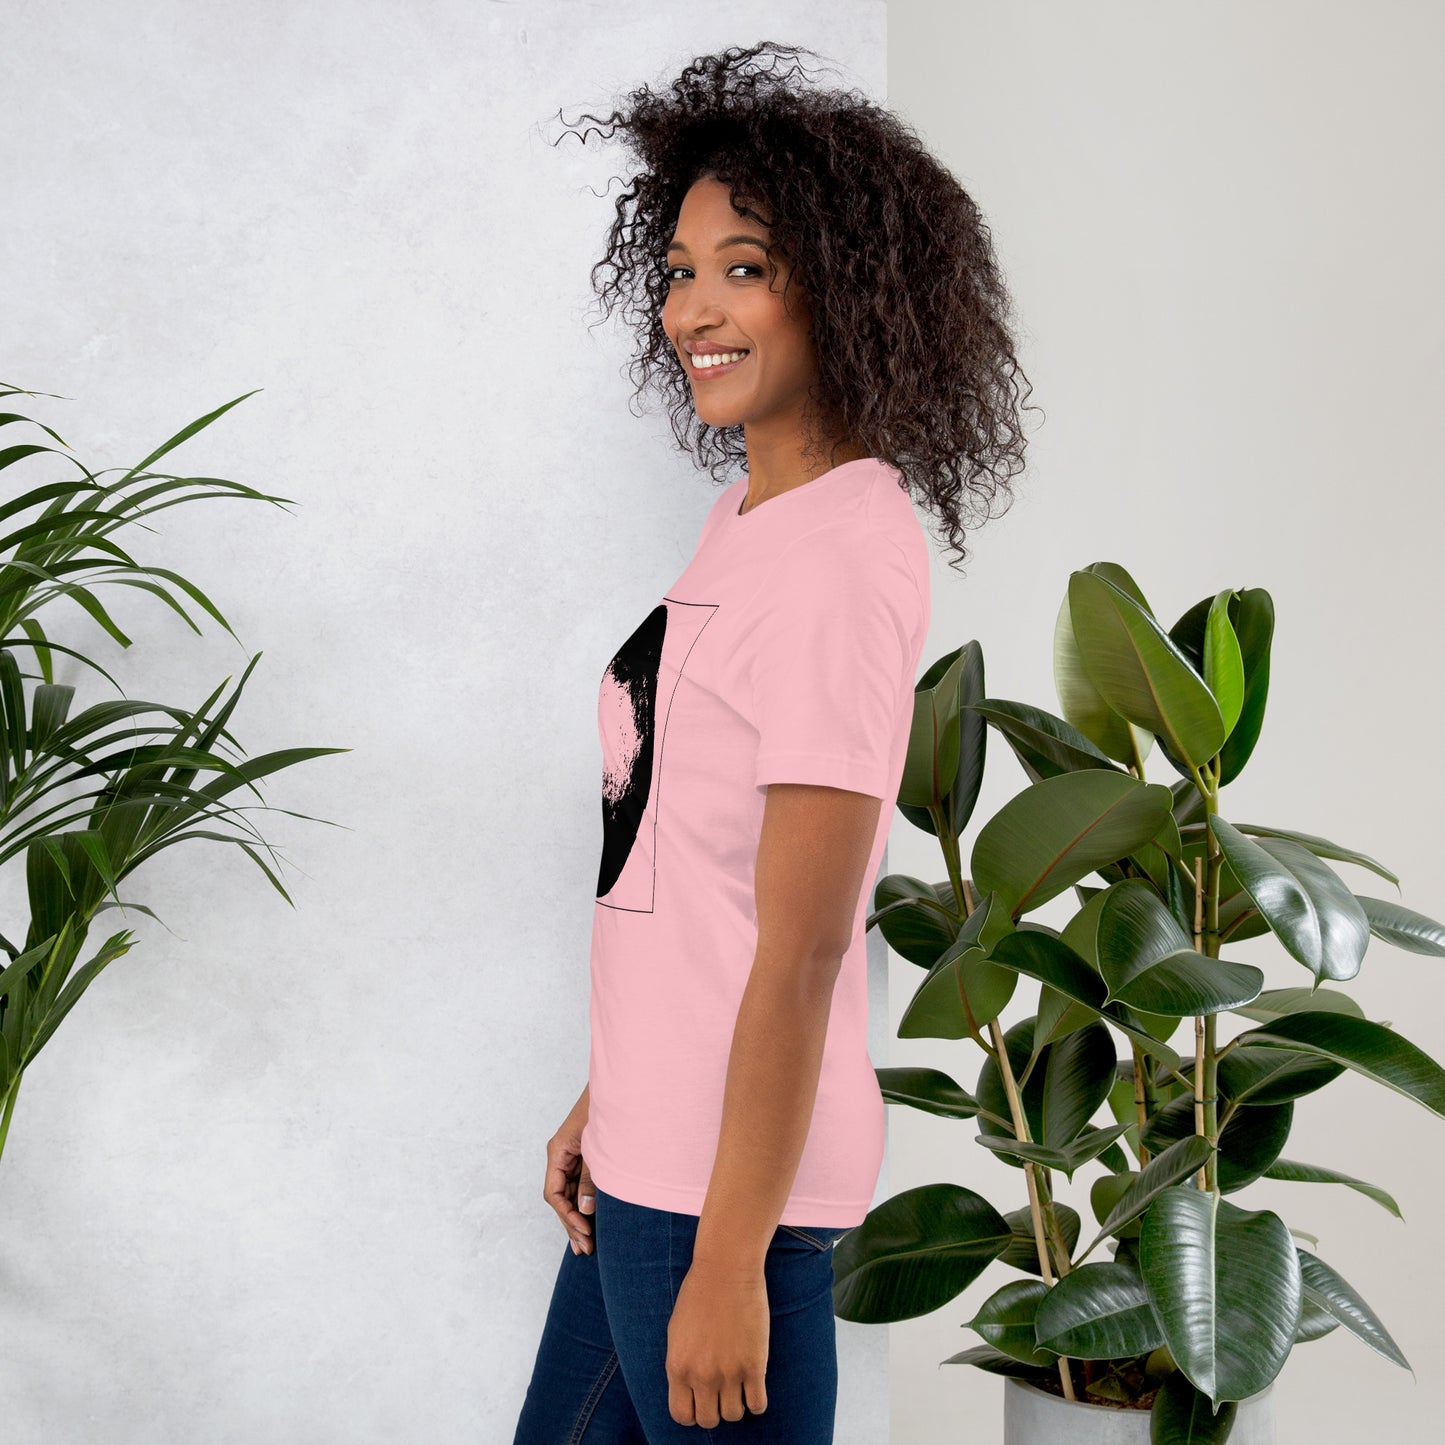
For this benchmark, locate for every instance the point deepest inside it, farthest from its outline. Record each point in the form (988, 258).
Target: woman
(818, 300)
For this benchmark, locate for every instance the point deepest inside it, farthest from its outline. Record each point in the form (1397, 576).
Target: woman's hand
(568, 1187)
(717, 1345)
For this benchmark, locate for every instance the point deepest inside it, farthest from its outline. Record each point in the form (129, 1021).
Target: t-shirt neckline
(822, 477)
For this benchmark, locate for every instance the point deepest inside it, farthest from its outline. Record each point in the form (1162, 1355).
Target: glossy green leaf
(1083, 705)
(1360, 1044)
(1149, 963)
(1053, 962)
(1104, 1193)
(1182, 1159)
(1098, 1312)
(1005, 1320)
(1059, 1015)
(1081, 932)
(1188, 808)
(1320, 847)
(1255, 1074)
(1315, 1321)
(916, 921)
(1107, 1386)
(984, 986)
(1182, 1415)
(1114, 1158)
(1223, 670)
(930, 767)
(1239, 919)
(1023, 1251)
(964, 990)
(1044, 744)
(1251, 614)
(1126, 1250)
(931, 1090)
(992, 1360)
(1089, 1145)
(1225, 1284)
(1248, 1144)
(1140, 672)
(1307, 907)
(1275, 1003)
(1158, 864)
(1059, 830)
(1125, 1109)
(915, 1252)
(956, 679)
(1133, 930)
(1120, 577)
(1328, 1289)
(1077, 1079)
(1188, 983)
(993, 1096)
(1402, 926)
(1290, 1169)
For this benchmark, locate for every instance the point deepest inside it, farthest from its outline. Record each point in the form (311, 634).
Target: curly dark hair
(910, 315)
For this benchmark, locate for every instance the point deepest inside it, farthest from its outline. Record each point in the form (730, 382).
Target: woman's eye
(668, 271)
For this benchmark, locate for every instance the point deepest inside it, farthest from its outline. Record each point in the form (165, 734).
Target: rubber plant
(86, 797)
(1202, 1298)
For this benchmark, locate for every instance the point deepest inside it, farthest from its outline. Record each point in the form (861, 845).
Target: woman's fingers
(586, 1206)
(560, 1191)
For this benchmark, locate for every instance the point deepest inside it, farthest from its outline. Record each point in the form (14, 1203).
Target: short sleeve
(830, 661)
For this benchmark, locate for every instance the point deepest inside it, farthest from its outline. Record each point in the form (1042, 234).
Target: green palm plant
(1203, 1298)
(86, 797)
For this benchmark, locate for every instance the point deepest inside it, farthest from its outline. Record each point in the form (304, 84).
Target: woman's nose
(695, 308)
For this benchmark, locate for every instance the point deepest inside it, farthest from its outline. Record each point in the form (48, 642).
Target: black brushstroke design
(634, 671)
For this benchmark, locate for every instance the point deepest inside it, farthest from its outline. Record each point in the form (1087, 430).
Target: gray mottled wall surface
(278, 1177)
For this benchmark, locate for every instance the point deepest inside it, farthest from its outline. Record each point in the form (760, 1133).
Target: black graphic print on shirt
(632, 708)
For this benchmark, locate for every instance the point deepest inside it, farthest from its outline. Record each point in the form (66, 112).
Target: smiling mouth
(700, 364)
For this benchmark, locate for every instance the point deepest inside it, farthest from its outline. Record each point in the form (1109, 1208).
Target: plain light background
(278, 1177)
(1222, 227)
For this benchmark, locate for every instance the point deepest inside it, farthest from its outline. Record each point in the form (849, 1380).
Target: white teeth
(716, 358)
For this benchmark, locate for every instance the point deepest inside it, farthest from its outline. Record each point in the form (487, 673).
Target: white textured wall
(278, 1178)
(1223, 226)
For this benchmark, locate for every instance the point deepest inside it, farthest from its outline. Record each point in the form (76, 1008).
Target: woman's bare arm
(812, 853)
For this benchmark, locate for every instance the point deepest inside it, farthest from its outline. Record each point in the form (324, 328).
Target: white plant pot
(1035, 1417)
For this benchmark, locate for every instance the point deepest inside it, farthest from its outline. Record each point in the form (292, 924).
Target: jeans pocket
(818, 1237)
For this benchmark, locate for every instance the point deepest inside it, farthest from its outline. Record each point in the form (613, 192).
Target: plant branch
(964, 897)
(1036, 1213)
(1141, 1104)
(1207, 868)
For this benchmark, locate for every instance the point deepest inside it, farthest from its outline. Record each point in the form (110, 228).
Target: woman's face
(725, 295)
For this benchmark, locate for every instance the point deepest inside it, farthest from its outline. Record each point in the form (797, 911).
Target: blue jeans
(600, 1376)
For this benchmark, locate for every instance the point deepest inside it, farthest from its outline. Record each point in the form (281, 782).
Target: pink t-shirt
(787, 651)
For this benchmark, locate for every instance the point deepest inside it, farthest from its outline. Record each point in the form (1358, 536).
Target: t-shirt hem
(809, 767)
(688, 1199)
